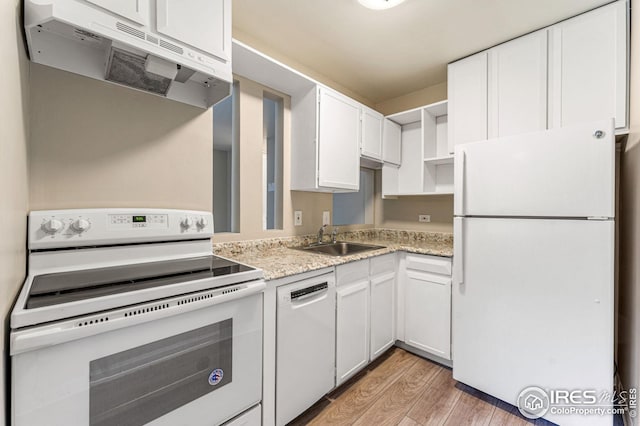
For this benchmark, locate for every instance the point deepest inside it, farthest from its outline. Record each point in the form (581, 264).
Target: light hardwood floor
(406, 390)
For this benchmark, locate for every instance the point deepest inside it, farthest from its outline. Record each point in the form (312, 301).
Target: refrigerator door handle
(459, 176)
(458, 250)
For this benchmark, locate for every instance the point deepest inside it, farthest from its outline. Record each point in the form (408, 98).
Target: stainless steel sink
(340, 248)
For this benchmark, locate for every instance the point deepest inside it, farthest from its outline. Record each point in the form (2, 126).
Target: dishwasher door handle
(308, 295)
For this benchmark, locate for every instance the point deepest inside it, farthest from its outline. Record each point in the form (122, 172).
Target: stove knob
(52, 226)
(202, 223)
(81, 225)
(187, 223)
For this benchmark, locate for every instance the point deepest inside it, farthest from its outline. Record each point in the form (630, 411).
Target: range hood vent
(129, 70)
(171, 46)
(130, 30)
(88, 39)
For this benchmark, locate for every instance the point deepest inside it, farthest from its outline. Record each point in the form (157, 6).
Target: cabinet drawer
(352, 272)
(434, 264)
(383, 264)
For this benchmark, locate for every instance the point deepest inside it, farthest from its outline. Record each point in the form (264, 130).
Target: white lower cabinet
(378, 302)
(352, 332)
(427, 304)
(365, 313)
(352, 319)
(383, 304)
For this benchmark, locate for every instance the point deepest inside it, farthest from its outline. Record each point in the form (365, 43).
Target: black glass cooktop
(63, 287)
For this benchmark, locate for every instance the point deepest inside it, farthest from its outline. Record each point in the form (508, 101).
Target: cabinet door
(203, 24)
(339, 137)
(518, 86)
(371, 134)
(428, 313)
(136, 11)
(588, 68)
(352, 329)
(382, 313)
(389, 180)
(467, 91)
(391, 137)
(411, 172)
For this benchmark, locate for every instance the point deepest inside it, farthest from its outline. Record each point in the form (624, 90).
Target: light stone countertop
(277, 258)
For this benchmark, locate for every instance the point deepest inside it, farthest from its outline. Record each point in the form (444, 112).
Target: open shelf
(427, 165)
(446, 159)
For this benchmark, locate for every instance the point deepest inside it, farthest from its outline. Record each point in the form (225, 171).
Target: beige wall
(629, 313)
(426, 96)
(95, 144)
(87, 150)
(402, 213)
(251, 185)
(13, 169)
(275, 54)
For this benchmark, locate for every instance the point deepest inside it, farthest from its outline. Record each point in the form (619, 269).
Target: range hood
(133, 43)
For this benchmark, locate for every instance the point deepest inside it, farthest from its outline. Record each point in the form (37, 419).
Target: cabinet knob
(598, 134)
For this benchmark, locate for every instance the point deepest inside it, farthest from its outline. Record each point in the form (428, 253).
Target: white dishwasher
(306, 333)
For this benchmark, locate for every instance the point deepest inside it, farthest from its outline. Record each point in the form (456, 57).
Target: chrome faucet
(321, 233)
(334, 235)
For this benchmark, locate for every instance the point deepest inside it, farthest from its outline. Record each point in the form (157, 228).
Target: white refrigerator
(534, 266)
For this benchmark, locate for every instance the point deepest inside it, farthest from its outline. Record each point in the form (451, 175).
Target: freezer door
(534, 307)
(567, 172)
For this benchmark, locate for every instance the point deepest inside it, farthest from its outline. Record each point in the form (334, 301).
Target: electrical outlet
(297, 218)
(424, 218)
(326, 217)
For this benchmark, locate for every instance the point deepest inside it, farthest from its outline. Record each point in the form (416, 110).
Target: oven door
(191, 360)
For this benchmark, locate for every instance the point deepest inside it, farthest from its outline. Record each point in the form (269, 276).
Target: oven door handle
(90, 325)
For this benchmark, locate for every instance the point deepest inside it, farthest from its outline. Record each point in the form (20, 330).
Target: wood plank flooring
(403, 389)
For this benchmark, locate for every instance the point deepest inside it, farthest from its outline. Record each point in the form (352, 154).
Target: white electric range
(127, 318)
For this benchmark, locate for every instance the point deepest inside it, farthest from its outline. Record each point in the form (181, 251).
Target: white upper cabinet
(517, 86)
(499, 92)
(325, 145)
(203, 24)
(371, 144)
(338, 146)
(588, 67)
(391, 136)
(467, 91)
(571, 72)
(136, 11)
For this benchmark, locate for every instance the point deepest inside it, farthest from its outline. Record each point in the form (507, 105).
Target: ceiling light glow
(380, 4)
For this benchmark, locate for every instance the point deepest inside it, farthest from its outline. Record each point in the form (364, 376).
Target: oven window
(139, 385)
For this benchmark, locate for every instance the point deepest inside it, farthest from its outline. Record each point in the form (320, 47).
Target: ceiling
(384, 54)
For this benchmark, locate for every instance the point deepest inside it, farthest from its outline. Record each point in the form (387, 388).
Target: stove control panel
(137, 221)
(94, 227)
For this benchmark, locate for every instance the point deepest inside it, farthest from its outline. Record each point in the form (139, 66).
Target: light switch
(297, 218)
